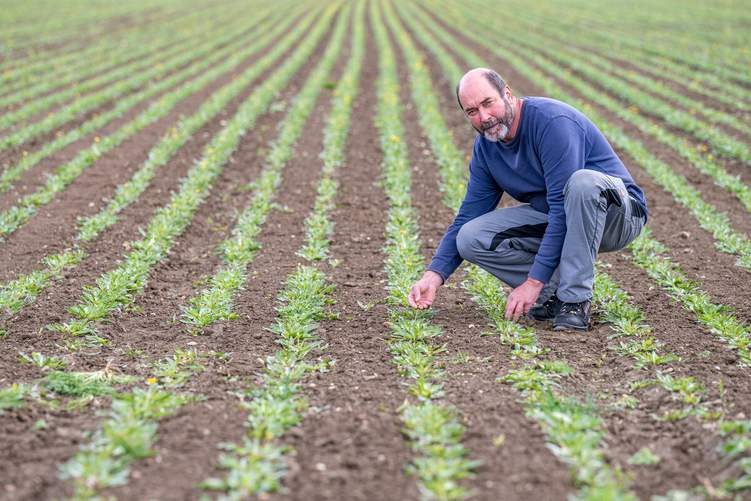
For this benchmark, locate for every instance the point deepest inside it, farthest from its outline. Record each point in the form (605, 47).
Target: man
(578, 198)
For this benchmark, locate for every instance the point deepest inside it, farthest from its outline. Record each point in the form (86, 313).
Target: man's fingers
(510, 305)
(518, 311)
(414, 296)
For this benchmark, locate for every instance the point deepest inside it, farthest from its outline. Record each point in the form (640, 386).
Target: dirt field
(350, 441)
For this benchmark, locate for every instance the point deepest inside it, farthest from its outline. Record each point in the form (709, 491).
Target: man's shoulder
(546, 108)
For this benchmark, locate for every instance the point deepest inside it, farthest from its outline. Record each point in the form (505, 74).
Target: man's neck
(516, 122)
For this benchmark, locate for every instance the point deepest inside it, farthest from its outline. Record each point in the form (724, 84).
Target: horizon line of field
(46, 51)
(93, 66)
(80, 63)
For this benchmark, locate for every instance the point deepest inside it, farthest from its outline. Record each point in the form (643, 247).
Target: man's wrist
(535, 282)
(434, 276)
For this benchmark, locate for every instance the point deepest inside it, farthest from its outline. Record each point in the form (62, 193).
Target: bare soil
(350, 444)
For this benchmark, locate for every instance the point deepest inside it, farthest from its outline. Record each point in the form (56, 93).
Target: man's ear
(507, 92)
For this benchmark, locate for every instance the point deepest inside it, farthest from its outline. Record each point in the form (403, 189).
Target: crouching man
(578, 199)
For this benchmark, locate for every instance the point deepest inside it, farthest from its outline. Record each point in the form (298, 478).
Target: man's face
(490, 113)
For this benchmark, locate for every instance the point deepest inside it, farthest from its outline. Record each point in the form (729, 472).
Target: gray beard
(505, 123)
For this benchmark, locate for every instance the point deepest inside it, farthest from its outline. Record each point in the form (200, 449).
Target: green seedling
(81, 384)
(644, 457)
(14, 396)
(44, 362)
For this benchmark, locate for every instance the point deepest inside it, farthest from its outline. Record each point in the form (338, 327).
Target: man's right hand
(422, 294)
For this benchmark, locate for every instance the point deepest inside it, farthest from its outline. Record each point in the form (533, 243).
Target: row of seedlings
(17, 293)
(12, 218)
(28, 160)
(681, 55)
(663, 108)
(130, 427)
(216, 301)
(59, 389)
(627, 321)
(433, 427)
(707, 84)
(131, 77)
(120, 286)
(258, 464)
(723, 324)
(726, 239)
(573, 429)
(112, 54)
(649, 254)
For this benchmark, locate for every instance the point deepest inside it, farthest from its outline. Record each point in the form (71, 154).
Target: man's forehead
(476, 86)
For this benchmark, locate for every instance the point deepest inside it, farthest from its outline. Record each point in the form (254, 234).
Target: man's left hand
(522, 299)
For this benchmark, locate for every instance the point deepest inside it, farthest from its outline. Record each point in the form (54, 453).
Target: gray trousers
(600, 217)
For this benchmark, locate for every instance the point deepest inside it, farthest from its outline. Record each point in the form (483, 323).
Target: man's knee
(466, 241)
(584, 182)
(590, 186)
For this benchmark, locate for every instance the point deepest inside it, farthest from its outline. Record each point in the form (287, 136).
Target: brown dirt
(36, 176)
(150, 331)
(350, 445)
(82, 197)
(522, 466)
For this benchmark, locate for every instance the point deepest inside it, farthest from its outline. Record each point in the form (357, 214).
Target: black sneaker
(547, 310)
(572, 316)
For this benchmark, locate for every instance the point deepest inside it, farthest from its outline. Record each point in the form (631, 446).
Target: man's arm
(562, 152)
(482, 197)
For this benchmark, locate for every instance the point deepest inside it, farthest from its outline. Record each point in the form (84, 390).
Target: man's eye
(472, 113)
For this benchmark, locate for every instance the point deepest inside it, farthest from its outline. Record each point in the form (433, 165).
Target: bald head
(475, 76)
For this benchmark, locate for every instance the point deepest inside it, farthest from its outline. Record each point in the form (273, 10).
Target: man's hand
(523, 298)
(423, 291)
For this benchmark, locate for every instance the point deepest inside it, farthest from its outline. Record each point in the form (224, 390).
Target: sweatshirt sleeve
(562, 149)
(483, 195)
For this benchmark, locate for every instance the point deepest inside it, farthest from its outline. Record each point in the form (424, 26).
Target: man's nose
(484, 115)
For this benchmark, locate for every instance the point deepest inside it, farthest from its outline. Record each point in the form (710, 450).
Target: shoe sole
(547, 319)
(564, 327)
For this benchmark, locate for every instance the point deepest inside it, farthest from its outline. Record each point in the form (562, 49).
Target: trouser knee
(583, 184)
(591, 186)
(467, 243)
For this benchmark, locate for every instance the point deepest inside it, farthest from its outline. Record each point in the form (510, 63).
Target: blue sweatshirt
(552, 142)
